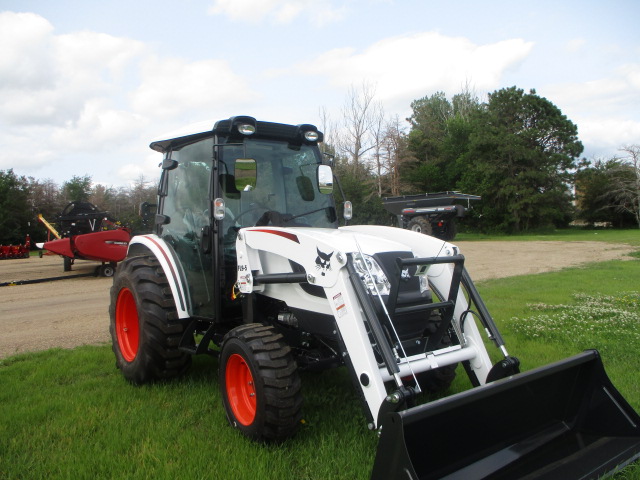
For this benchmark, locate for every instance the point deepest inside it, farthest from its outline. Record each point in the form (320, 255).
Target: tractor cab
(242, 173)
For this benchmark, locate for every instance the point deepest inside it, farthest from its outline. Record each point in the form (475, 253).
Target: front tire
(259, 383)
(144, 324)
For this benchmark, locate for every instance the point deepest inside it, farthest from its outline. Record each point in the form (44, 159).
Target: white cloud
(611, 94)
(46, 79)
(25, 51)
(174, 86)
(603, 109)
(609, 134)
(25, 149)
(148, 168)
(406, 67)
(278, 11)
(99, 127)
(86, 94)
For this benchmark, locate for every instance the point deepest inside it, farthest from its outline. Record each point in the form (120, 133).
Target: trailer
(433, 214)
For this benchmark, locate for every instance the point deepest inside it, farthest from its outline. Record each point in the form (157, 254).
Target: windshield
(266, 182)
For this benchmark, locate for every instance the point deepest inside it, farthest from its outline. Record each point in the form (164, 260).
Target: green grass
(70, 414)
(631, 236)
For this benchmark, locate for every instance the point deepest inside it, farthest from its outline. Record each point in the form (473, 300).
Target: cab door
(186, 207)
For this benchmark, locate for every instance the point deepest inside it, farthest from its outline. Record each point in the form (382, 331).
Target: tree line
(23, 198)
(517, 150)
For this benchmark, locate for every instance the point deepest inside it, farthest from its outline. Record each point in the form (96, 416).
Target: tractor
(248, 262)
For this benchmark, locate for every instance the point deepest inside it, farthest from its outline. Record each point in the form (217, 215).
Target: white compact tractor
(248, 263)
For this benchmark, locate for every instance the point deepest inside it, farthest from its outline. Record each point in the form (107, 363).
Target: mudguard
(171, 267)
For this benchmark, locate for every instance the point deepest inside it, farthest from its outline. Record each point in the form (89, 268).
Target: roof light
(246, 129)
(311, 136)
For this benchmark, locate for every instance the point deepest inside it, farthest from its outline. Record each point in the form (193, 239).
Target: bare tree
(396, 153)
(626, 182)
(358, 114)
(378, 134)
(330, 131)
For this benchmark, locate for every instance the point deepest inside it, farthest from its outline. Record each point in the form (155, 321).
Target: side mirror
(325, 179)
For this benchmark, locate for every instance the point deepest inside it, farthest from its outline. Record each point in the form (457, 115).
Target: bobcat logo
(323, 262)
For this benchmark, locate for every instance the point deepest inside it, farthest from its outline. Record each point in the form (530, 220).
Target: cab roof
(232, 127)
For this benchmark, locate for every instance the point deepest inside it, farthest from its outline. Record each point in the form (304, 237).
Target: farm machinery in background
(84, 232)
(433, 214)
(248, 263)
(16, 251)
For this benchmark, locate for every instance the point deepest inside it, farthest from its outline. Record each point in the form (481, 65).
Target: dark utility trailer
(432, 213)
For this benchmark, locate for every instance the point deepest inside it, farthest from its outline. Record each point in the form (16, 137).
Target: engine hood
(324, 251)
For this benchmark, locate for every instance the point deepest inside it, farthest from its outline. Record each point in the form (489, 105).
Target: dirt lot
(74, 311)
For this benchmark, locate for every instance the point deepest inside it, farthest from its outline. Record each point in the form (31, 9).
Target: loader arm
(375, 361)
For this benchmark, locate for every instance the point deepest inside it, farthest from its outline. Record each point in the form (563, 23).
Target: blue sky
(86, 85)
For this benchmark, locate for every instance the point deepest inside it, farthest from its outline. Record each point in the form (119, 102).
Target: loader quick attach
(248, 263)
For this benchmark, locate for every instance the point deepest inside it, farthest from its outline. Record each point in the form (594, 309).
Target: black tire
(450, 230)
(107, 270)
(420, 225)
(259, 383)
(144, 324)
(66, 264)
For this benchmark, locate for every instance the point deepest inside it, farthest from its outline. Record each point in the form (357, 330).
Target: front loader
(248, 263)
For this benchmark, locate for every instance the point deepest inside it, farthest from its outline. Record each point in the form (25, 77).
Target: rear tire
(420, 225)
(450, 230)
(144, 324)
(259, 383)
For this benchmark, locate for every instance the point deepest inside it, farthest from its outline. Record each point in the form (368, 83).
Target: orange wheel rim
(127, 325)
(241, 390)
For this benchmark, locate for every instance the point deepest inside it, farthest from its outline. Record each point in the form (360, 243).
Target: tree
(378, 134)
(358, 185)
(595, 198)
(626, 182)
(397, 153)
(78, 189)
(439, 136)
(15, 212)
(358, 116)
(521, 154)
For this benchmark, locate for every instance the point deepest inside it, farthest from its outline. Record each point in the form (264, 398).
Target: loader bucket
(561, 421)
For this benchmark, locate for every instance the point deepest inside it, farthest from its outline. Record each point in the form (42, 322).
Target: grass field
(70, 414)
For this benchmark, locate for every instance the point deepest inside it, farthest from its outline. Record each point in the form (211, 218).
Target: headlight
(371, 274)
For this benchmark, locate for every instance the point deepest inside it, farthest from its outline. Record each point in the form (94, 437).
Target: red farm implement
(16, 251)
(88, 234)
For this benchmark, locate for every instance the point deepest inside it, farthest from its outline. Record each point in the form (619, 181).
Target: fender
(172, 269)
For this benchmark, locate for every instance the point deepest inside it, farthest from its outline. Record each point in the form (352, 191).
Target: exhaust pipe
(564, 420)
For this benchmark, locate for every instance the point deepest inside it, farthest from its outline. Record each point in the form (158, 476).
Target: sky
(85, 86)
